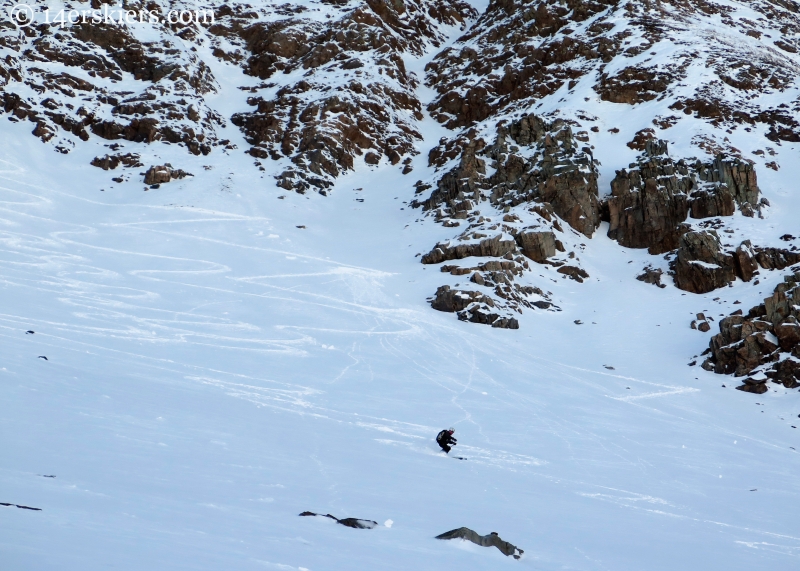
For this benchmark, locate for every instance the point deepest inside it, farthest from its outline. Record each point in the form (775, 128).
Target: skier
(445, 439)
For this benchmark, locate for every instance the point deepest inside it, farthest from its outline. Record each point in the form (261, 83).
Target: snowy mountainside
(212, 355)
(151, 82)
(701, 97)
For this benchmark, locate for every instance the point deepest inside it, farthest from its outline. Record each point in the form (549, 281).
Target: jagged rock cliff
(650, 202)
(765, 343)
(525, 55)
(333, 86)
(355, 98)
(541, 178)
(627, 52)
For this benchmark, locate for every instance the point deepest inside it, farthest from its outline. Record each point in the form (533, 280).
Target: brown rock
(747, 210)
(737, 175)
(648, 212)
(464, 180)
(745, 263)
(641, 138)
(786, 372)
(706, 204)
(471, 306)
(788, 333)
(756, 388)
(44, 131)
(158, 175)
(769, 329)
(752, 352)
(560, 173)
(634, 84)
(163, 173)
(574, 273)
(452, 300)
(110, 162)
(650, 202)
(652, 276)
(496, 247)
(538, 246)
(776, 258)
(574, 198)
(701, 267)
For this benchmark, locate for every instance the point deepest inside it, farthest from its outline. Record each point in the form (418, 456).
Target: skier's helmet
(451, 429)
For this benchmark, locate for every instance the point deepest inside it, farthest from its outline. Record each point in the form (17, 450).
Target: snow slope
(213, 370)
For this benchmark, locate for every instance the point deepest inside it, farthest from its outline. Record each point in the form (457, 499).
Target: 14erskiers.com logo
(24, 15)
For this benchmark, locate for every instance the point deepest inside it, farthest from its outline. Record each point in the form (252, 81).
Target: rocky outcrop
(353, 522)
(745, 261)
(705, 204)
(471, 306)
(559, 172)
(766, 340)
(458, 189)
(517, 52)
(522, 52)
(540, 179)
(650, 217)
(538, 246)
(110, 162)
(736, 176)
(327, 80)
(497, 246)
(650, 202)
(490, 540)
(163, 173)
(757, 386)
(62, 79)
(702, 266)
(574, 273)
(651, 276)
(701, 323)
(776, 258)
(535, 161)
(499, 276)
(370, 114)
(528, 54)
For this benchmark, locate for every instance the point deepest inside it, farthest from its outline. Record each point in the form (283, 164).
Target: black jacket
(444, 438)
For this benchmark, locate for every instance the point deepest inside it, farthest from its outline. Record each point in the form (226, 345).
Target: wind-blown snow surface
(212, 371)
